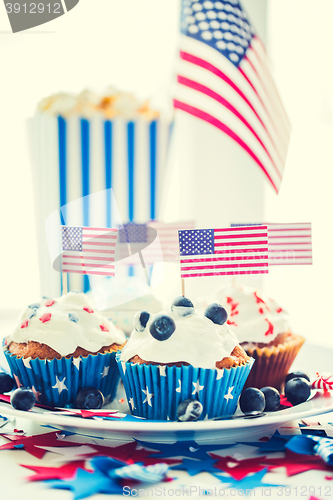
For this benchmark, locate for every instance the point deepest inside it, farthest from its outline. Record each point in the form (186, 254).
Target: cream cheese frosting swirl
(66, 323)
(196, 340)
(253, 316)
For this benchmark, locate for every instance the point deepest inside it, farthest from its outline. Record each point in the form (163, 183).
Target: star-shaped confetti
(87, 483)
(33, 444)
(296, 464)
(276, 443)
(194, 467)
(249, 482)
(66, 471)
(189, 449)
(239, 469)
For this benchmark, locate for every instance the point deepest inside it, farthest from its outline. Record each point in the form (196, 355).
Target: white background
(132, 44)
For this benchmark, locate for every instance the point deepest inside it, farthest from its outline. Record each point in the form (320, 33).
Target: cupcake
(61, 346)
(263, 330)
(181, 354)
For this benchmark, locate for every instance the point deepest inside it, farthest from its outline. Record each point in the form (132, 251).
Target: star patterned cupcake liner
(155, 391)
(56, 382)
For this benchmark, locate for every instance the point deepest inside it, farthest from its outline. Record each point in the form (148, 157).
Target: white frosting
(253, 316)
(120, 299)
(92, 331)
(196, 340)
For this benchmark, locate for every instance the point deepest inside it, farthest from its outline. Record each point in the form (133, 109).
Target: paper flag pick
(194, 467)
(34, 444)
(87, 483)
(249, 482)
(189, 449)
(238, 469)
(296, 464)
(66, 471)
(312, 445)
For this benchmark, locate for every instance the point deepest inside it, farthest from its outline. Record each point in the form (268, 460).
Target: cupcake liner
(154, 392)
(273, 364)
(56, 382)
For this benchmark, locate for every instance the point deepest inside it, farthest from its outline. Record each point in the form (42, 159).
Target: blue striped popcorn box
(80, 163)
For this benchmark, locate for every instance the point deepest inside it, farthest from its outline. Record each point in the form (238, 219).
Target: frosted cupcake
(181, 354)
(263, 330)
(61, 346)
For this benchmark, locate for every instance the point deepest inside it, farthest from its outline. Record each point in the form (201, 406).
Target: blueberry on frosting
(182, 306)
(140, 320)
(162, 327)
(216, 313)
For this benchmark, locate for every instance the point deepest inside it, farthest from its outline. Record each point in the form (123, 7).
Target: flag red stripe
(231, 235)
(205, 90)
(85, 264)
(90, 258)
(219, 259)
(225, 266)
(90, 250)
(217, 123)
(291, 244)
(239, 243)
(97, 236)
(213, 69)
(98, 244)
(106, 230)
(89, 272)
(221, 273)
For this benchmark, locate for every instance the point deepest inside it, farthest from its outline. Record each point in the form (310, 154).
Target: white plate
(310, 359)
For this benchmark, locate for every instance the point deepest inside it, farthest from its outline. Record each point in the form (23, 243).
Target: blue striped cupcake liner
(56, 382)
(154, 391)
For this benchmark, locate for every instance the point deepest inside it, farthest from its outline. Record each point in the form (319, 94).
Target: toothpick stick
(64, 284)
(144, 268)
(183, 287)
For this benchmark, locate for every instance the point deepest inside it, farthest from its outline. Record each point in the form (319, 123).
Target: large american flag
(224, 79)
(88, 250)
(226, 251)
(288, 243)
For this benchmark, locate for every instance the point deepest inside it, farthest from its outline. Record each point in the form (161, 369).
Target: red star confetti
(33, 444)
(238, 469)
(66, 471)
(296, 464)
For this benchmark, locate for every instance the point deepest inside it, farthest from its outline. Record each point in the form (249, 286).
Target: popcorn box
(80, 163)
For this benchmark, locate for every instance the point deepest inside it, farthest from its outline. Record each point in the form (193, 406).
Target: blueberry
(272, 398)
(140, 320)
(162, 327)
(189, 410)
(252, 399)
(23, 399)
(297, 390)
(183, 306)
(216, 313)
(6, 382)
(89, 398)
(297, 375)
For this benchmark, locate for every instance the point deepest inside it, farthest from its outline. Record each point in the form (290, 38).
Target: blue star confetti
(194, 467)
(189, 449)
